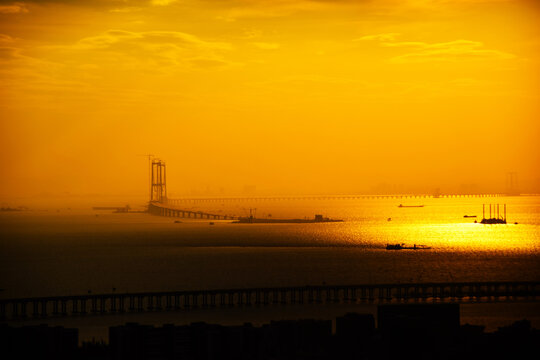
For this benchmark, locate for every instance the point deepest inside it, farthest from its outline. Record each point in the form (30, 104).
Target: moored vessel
(402, 246)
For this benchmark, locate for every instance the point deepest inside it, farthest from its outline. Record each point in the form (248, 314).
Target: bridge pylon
(158, 191)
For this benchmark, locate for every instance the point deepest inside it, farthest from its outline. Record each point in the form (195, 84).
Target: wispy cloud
(447, 51)
(111, 38)
(8, 53)
(11, 7)
(126, 9)
(14, 8)
(6, 38)
(419, 52)
(162, 2)
(9, 50)
(156, 50)
(379, 37)
(266, 45)
(272, 9)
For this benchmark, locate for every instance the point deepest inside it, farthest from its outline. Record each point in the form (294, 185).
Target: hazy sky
(289, 96)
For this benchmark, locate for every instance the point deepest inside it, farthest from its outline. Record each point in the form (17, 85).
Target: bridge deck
(176, 300)
(325, 197)
(168, 209)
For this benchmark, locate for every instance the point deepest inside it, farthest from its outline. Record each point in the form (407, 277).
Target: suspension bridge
(160, 204)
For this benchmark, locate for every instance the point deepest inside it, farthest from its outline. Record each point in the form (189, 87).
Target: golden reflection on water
(465, 236)
(441, 224)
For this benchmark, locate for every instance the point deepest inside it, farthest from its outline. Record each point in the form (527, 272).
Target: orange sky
(288, 96)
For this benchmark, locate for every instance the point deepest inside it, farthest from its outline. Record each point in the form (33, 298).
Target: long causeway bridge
(100, 304)
(326, 197)
(161, 205)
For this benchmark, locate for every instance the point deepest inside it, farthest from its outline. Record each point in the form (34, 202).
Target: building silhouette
(411, 331)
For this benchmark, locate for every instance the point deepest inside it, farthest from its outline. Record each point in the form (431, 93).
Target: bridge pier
(113, 307)
(240, 298)
(186, 301)
(424, 292)
(364, 293)
(406, 293)
(275, 299)
(131, 300)
(15, 310)
(103, 303)
(140, 303)
(44, 308)
(114, 303)
(204, 296)
(335, 292)
(221, 299)
(94, 305)
(23, 309)
(380, 293)
(55, 311)
(35, 308)
(122, 305)
(389, 293)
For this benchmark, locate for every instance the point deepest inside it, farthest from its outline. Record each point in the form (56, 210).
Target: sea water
(80, 251)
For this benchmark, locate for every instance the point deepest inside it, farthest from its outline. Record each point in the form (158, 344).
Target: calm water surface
(71, 252)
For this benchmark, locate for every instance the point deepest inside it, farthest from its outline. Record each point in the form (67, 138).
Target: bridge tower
(158, 191)
(512, 184)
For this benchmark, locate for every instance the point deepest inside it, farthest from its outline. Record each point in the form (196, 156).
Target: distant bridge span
(100, 304)
(173, 207)
(161, 204)
(323, 197)
(166, 209)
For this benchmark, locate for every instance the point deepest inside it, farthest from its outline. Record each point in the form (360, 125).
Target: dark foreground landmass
(412, 331)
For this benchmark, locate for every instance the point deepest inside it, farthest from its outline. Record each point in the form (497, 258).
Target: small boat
(469, 216)
(402, 206)
(403, 247)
